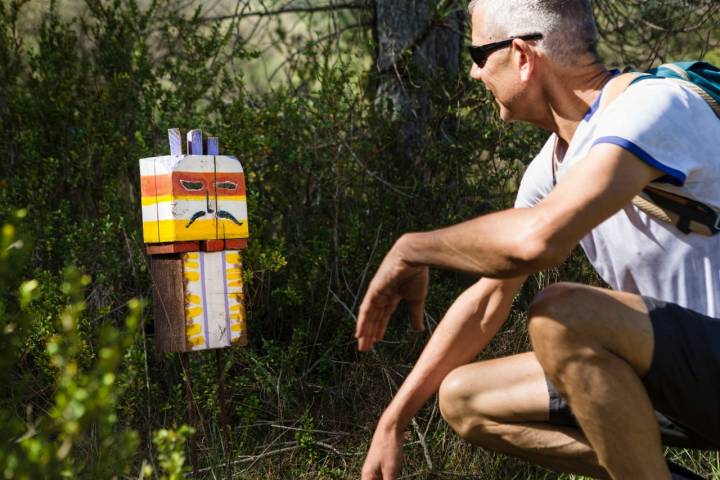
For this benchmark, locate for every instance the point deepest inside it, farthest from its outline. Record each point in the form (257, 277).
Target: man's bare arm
(506, 244)
(524, 241)
(467, 327)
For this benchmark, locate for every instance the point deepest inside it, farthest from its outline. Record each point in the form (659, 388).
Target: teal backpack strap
(686, 214)
(700, 77)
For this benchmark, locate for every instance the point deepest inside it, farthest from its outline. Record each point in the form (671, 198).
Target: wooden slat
(213, 146)
(173, 247)
(175, 140)
(235, 243)
(213, 245)
(168, 303)
(195, 143)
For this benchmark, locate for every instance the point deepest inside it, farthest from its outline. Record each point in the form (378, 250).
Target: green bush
(88, 395)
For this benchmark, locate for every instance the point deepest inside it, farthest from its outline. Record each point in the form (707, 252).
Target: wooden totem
(195, 226)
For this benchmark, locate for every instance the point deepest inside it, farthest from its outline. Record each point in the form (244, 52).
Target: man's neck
(569, 93)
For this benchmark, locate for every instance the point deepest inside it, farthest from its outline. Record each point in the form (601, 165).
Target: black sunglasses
(480, 53)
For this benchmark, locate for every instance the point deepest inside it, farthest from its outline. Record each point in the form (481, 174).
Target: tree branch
(281, 11)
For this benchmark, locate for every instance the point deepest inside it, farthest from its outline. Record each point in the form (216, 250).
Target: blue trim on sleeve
(675, 177)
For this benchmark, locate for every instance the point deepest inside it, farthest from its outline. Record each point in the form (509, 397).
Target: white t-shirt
(675, 131)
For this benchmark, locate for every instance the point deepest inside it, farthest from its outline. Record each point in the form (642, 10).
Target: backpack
(686, 214)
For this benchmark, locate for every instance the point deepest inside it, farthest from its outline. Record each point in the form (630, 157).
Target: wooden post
(195, 226)
(224, 419)
(191, 418)
(168, 302)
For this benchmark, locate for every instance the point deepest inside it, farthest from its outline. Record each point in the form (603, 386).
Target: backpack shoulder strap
(616, 86)
(686, 214)
(681, 76)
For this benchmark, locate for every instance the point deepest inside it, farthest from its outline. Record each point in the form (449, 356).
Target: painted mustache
(220, 214)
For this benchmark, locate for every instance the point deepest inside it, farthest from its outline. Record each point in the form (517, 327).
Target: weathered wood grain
(175, 141)
(194, 142)
(169, 303)
(213, 146)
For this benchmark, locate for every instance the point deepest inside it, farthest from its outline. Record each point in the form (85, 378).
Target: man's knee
(453, 399)
(456, 403)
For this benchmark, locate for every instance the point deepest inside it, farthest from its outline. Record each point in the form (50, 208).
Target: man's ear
(525, 58)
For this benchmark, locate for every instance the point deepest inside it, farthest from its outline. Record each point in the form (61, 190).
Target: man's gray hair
(568, 26)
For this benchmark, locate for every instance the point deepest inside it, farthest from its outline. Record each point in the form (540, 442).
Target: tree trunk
(418, 41)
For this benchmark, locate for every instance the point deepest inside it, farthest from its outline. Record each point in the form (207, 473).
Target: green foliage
(54, 441)
(170, 450)
(88, 396)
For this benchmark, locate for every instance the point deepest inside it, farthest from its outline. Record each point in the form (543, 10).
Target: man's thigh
(675, 351)
(565, 314)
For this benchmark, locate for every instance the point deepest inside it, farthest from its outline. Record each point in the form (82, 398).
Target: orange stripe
(152, 186)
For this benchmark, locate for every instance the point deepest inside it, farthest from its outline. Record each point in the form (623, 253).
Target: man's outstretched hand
(395, 280)
(384, 458)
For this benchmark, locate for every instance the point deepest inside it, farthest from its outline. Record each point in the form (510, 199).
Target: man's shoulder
(654, 99)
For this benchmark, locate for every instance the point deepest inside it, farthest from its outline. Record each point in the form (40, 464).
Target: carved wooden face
(193, 197)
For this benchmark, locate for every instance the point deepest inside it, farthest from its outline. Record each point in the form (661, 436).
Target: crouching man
(613, 374)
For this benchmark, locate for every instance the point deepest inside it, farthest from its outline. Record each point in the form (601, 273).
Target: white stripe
(215, 300)
(189, 163)
(185, 209)
(227, 164)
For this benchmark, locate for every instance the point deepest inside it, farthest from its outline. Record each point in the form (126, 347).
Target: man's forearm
(504, 244)
(468, 326)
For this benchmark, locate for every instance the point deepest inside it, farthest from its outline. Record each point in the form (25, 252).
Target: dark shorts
(683, 382)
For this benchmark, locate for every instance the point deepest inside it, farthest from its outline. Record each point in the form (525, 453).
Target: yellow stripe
(191, 256)
(232, 257)
(193, 330)
(192, 298)
(193, 312)
(228, 229)
(231, 198)
(192, 276)
(147, 201)
(233, 275)
(150, 232)
(237, 327)
(236, 308)
(235, 283)
(196, 341)
(193, 265)
(177, 230)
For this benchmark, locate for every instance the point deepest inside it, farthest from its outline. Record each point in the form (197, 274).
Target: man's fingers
(371, 474)
(389, 472)
(417, 314)
(364, 344)
(364, 315)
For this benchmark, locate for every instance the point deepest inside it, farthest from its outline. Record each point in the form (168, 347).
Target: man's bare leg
(502, 405)
(595, 345)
